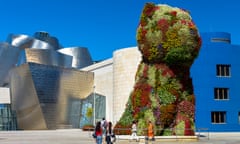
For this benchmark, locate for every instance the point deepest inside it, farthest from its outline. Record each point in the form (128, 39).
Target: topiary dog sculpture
(163, 93)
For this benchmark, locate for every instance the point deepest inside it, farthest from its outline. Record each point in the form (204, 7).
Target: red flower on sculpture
(163, 25)
(173, 13)
(149, 9)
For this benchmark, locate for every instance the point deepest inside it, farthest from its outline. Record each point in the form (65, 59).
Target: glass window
(223, 70)
(221, 93)
(7, 118)
(218, 117)
(220, 40)
(239, 117)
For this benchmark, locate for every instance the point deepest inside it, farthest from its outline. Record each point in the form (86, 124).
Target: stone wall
(114, 78)
(4, 95)
(125, 63)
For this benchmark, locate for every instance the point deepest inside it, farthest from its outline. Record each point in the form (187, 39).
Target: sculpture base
(159, 138)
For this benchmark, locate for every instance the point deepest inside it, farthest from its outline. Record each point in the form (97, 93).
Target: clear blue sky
(106, 25)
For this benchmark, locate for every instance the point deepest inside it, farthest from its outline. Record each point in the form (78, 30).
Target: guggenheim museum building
(44, 85)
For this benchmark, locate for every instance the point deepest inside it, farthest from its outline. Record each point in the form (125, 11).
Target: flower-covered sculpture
(169, 42)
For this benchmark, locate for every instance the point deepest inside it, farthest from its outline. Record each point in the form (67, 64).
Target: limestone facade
(125, 63)
(4, 95)
(103, 79)
(114, 78)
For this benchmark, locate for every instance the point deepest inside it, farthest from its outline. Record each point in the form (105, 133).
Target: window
(218, 117)
(223, 70)
(239, 117)
(221, 93)
(221, 40)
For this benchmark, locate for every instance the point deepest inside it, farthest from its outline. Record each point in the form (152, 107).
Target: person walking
(110, 137)
(150, 131)
(98, 133)
(104, 124)
(134, 131)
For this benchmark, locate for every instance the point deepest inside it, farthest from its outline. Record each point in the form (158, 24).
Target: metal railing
(199, 133)
(202, 132)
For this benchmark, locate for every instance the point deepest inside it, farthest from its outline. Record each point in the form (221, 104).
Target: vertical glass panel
(99, 106)
(7, 118)
(84, 118)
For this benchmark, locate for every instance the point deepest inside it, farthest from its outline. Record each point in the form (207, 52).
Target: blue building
(216, 75)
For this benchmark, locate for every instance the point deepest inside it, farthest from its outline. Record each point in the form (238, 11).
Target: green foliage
(167, 86)
(179, 56)
(151, 74)
(139, 72)
(142, 126)
(143, 121)
(166, 97)
(191, 98)
(171, 83)
(169, 42)
(149, 115)
(163, 80)
(184, 95)
(167, 35)
(127, 116)
(140, 113)
(153, 53)
(179, 129)
(172, 39)
(137, 93)
(167, 132)
(154, 101)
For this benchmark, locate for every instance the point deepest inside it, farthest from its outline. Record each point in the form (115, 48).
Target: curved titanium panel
(41, 35)
(42, 95)
(81, 56)
(48, 57)
(8, 59)
(54, 42)
(25, 100)
(45, 36)
(24, 41)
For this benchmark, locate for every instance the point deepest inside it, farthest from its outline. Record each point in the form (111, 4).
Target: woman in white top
(134, 131)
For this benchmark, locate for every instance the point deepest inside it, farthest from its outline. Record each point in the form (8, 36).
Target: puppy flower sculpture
(163, 93)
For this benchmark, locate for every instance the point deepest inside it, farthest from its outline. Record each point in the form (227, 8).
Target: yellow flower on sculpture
(162, 28)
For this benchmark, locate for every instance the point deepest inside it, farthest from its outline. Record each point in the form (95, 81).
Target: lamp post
(94, 115)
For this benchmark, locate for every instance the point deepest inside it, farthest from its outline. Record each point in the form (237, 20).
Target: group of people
(150, 131)
(103, 130)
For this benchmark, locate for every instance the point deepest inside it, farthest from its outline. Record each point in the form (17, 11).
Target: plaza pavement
(77, 136)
